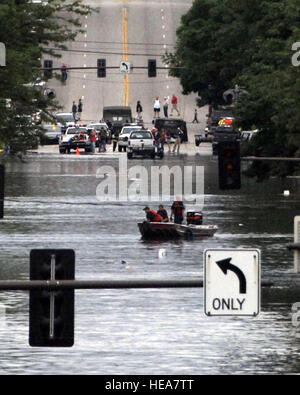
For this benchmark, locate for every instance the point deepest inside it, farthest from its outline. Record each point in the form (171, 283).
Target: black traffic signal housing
(51, 313)
(101, 64)
(48, 66)
(229, 165)
(152, 68)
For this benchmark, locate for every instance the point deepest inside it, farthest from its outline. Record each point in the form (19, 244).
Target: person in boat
(177, 211)
(151, 215)
(163, 213)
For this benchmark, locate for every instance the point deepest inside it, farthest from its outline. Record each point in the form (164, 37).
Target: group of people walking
(177, 213)
(158, 105)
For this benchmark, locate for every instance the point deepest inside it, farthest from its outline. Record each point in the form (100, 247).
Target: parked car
(215, 117)
(65, 120)
(142, 143)
(125, 134)
(116, 117)
(224, 133)
(247, 135)
(74, 137)
(51, 134)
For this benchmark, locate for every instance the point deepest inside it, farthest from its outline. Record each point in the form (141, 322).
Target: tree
(223, 43)
(27, 29)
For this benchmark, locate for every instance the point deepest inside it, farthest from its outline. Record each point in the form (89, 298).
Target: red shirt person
(152, 215)
(174, 102)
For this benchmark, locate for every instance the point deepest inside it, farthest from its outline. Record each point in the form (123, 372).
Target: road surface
(124, 30)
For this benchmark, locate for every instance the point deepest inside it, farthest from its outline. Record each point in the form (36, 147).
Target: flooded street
(51, 203)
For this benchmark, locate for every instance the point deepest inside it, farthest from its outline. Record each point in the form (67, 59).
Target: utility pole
(2, 55)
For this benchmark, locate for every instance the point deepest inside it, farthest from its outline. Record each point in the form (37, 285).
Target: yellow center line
(125, 54)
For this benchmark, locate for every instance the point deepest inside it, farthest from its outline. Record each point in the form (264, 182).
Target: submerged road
(133, 31)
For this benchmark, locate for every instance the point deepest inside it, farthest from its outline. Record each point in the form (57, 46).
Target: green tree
(223, 43)
(28, 29)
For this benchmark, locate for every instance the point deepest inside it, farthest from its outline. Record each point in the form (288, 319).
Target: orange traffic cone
(77, 151)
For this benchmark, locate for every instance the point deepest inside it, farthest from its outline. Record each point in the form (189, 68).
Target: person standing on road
(64, 73)
(156, 108)
(195, 120)
(163, 137)
(166, 106)
(93, 139)
(115, 139)
(174, 102)
(74, 112)
(79, 109)
(102, 140)
(177, 143)
(177, 211)
(139, 110)
(168, 139)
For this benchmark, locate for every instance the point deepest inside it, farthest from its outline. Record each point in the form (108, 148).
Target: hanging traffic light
(229, 165)
(48, 66)
(151, 68)
(101, 64)
(51, 313)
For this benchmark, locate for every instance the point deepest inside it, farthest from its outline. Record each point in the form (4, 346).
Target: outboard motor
(194, 218)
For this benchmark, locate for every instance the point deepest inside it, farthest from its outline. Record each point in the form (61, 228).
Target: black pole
(55, 285)
(2, 184)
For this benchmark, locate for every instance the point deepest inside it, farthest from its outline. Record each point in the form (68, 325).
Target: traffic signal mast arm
(108, 67)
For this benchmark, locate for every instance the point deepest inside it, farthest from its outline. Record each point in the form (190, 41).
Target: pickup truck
(142, 143)
(223, 133)
(74, 137)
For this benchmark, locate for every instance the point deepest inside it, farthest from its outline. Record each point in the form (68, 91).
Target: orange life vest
(157, 217)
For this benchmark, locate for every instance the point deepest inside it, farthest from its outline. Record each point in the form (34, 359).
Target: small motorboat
(171, 231)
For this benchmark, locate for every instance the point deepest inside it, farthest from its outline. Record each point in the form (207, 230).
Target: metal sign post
(296, 240)
(232, 282)
(2, 55)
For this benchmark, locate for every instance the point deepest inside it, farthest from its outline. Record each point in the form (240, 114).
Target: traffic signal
(50, 93)
(101, 64)
(229, 165)
(48, 66)
(51, 313)
(151, 68)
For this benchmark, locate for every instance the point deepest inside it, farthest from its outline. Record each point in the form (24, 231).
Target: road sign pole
(2, 55)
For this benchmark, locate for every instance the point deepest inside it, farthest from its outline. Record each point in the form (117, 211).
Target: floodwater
(51, 203)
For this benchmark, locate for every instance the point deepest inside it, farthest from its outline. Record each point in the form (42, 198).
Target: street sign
(2, 54)
(232, 282)
(125, 67)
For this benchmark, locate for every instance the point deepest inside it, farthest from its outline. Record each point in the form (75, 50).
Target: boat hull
(171, 231)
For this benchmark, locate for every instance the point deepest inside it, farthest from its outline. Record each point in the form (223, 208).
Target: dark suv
(224, 133)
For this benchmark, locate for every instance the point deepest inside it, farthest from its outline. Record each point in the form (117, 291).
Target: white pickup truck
(142, 143)
(73, 138)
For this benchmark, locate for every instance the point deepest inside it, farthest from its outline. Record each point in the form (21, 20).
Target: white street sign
(125, 67)
(2, 55)
(232, 282)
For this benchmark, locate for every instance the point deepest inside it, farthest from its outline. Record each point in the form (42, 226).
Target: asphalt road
(129, 30)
